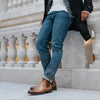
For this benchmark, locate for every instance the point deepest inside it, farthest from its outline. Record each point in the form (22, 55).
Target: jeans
(54, 29)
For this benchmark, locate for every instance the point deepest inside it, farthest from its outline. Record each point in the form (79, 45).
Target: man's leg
(60, 27)
(43, 40)
(42, 46)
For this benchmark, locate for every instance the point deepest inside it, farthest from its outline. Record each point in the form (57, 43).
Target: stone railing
(94, 23)
(19, 46)
(19, 26)
(19, 19)
(11, 4)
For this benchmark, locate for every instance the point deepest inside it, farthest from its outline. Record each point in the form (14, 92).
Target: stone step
(14, 91)
(66, 78)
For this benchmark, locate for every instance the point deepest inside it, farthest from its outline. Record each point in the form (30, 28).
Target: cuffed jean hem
(45, 77)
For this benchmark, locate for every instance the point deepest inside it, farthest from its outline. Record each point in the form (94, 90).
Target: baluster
(21, 52)
(14, 3)
(94, 23)
(3, 52)
(12, 51)
(30, 1)
(96, 50)
(19, 3)
(3, 6)
(10, 4)
(25, 2)
(34, 1)
(31, 52)
(0, 50)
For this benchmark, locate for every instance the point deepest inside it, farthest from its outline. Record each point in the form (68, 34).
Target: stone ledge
(21, 29)
(32, 76)
(85, 79)
(31, 18)
(66, 78)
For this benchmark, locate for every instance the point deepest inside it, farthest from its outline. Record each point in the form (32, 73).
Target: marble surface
(73, 51)
(14, 91)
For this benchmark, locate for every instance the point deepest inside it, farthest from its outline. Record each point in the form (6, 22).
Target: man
(59, 17)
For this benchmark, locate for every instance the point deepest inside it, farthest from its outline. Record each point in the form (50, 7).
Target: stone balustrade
(19, 24)
(94, 23)
(19, 3)
(10, 50)
(23, 16)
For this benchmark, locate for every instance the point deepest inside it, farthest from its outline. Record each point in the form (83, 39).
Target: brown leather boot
(43, 87)
(54, 86)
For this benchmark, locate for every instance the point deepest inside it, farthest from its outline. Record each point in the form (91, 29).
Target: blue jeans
(54, 29)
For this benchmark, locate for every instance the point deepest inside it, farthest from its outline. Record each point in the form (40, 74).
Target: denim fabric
(54, 29)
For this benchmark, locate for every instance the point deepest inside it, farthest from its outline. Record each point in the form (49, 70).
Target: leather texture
(43, 87)
(54, 86)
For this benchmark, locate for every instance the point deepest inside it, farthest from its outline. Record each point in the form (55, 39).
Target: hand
(84, 15)
(41, 21)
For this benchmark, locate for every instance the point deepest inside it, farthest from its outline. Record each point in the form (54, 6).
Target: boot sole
(53, 88)
(34, 93)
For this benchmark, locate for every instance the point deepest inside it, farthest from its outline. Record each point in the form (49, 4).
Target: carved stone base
(19, 65)
(95, 66)
(2, 63)
(29, 65)
(65, 78)
(38, 64)
(10, 65)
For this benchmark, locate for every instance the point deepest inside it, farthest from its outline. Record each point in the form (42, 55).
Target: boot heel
(54, 88)
(49, 91)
